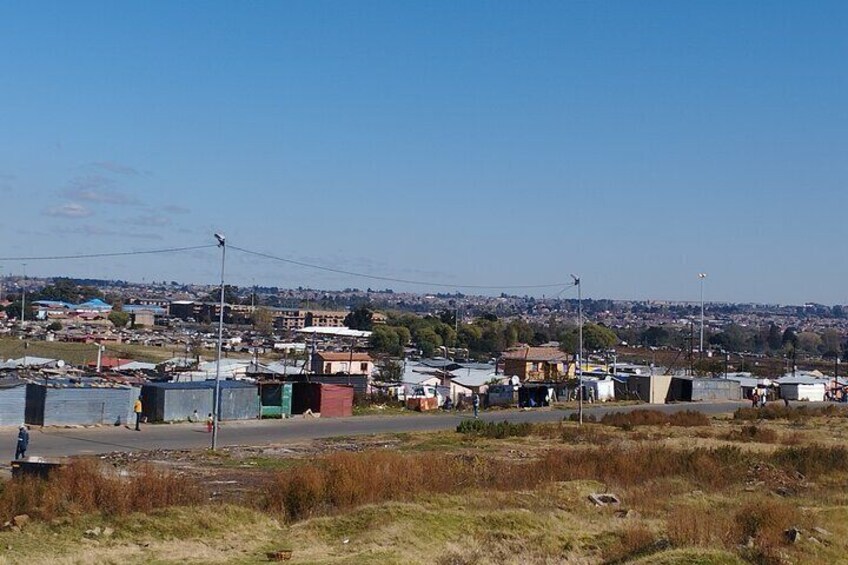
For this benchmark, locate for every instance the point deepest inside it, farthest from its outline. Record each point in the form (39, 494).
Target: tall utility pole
(702, 276)
(216, 412)
(23, 299)
(579, 348)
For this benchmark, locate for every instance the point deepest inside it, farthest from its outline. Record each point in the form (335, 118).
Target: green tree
(119, 319)
(428, 341)
(831, 343)
(13, 310)
(389, 371)
(54, 326)
(708, 367)
(733, 338)
(774, 340)
(386, 339)
(360, 319)
(656, 336)
(809, 342)
(230, 295)
(263, 320)
(595, 338)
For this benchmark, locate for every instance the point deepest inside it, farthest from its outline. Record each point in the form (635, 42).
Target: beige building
(536, 364)
(326, 318)
(334, 362)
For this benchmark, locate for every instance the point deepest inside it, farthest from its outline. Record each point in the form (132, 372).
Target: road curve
(58, 442)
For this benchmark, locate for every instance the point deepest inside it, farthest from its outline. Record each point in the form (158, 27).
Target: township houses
(333, 362)
(90, 310)
(536, 363)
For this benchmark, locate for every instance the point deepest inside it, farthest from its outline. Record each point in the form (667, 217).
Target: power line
(114, 254)
(391, 279)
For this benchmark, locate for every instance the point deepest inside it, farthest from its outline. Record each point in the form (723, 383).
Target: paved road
(56, 442)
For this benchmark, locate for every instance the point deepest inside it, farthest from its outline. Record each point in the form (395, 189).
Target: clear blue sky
(636, 143)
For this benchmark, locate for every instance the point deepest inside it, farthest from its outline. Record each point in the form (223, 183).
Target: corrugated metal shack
(691, 389)
(78, 402)
(276, 399)
(331, 401)
(358, 382)
(175, 402)
(502, 395)
(12, 402)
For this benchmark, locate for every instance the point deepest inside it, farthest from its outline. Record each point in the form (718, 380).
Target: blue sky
(490, 143)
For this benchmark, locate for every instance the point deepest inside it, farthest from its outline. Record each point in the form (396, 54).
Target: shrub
(700, 526)
(812, 460)
(752, 433)
(628, 420)
(83, 488)
(765, 521)
(575, 417)
(634, 541)
(792, 414)
(499, 430)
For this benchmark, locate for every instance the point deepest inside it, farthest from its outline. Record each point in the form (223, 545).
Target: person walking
(23, 442)
(475, 403)
(137, 410)
(210, 422)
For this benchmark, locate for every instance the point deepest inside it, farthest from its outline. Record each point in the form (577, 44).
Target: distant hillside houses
(89, 310)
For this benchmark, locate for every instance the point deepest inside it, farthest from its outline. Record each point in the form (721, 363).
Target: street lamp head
(221, 239)
(576, 279)
(702, 275)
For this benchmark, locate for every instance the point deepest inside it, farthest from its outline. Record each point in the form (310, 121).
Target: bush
(499, 430)
(752, 433)
(792, 414)
(81, 487)
(765, 521)
(812, 460)
(575, 417)
(634, 541)
(628, 420)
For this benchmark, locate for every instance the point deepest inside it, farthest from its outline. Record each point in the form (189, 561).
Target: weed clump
(752, 433)
(629, 420)
(83, 488)
(792, 414)
(494, 430)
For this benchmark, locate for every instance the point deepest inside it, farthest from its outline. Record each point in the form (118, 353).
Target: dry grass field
(764, 487)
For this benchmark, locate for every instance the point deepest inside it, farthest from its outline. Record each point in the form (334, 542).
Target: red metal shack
(331, 401)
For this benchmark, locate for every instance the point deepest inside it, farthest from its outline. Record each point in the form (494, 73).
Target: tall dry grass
(758, 527)
(83, 488)
(790, 413)
(627, 420)
(344, 480)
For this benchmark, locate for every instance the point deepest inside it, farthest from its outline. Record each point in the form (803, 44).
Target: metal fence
(174, 402)
(77, 405)
(12, 403)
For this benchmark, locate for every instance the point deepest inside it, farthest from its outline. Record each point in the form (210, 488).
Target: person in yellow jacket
(137, 410)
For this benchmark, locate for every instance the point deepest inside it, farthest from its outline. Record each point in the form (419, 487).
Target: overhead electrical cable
(113, 254)
(392, 279)
(290, 262)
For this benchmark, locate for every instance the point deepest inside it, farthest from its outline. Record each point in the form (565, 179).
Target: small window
(328, 368)
(363, 367)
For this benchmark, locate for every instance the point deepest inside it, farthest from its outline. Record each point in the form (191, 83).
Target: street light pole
(702, 276)
(216, 412)
(23, 299)
(579, 349)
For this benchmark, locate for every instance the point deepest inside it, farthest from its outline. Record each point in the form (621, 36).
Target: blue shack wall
(175, 402)
(49, 406)
(715, 389)
(12, 405)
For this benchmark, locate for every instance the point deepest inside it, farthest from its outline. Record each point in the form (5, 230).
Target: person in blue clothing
(475, 402)
(23, 442)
